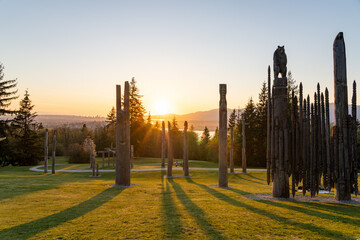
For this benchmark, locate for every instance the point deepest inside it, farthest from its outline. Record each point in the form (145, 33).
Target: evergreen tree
(232, 119)
(27, 149)
(7, 94)
(205, 137)
(111, 117)
(261, 126)
(137, 110)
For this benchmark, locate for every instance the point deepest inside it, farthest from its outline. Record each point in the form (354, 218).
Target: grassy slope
(74, 206)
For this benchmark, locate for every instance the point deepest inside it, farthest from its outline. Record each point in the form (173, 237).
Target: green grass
(74, 206)
(138, 163)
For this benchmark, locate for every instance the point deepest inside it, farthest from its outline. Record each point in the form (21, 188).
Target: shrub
(77, 154)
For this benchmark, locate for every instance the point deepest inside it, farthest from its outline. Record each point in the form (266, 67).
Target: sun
(162, 107)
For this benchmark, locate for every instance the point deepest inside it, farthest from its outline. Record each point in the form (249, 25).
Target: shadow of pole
(171, 219)
(27, 230)
(232, 201)
(249, 180)
(196, 212)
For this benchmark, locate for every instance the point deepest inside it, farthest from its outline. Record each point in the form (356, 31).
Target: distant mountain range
(199, 119)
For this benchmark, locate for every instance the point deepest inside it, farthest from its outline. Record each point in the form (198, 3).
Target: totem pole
(280, 153)
(186, 151)
(223, 179)
(163, 145)
(122, 176)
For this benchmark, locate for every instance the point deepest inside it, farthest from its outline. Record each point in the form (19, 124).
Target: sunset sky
(71, 54)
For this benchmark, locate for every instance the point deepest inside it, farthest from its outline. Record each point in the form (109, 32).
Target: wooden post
(301, 133)
(97, 169)
(186, 151)
(103, 159)
(223, 179)
(163, 145)
(53, 152)
(170, 152)
(232, 150)
(108, 157)
(327, 139)
(268, 145)
(113, 157)
(122, 177)
(132, 156)
(46, 143)
(354, 142)
(342, 184)
(243, 137)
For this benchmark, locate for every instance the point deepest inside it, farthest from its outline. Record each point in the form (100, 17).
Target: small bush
(77, 154)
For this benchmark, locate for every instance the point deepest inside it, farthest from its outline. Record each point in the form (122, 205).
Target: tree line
(24, 136)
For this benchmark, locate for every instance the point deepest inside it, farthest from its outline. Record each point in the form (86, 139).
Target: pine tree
(111, 117)
(205, 137)
(27, 148)
(137, 110)
(232, 119)
(7, 94)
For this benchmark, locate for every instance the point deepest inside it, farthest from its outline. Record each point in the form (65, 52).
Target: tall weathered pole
(46, 144)
(53, 152)
(327, 143)
(231, 149)
(186, 151)
(223, 179)
(268, 145)
(342, 184)
(243, 152)
(354, 142)
(122, 177)
(163, 145)
(281, 125)
(170, 152)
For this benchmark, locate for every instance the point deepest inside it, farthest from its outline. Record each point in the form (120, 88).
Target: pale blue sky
(71, 54)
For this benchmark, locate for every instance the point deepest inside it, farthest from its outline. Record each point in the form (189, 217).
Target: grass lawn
(74, 206)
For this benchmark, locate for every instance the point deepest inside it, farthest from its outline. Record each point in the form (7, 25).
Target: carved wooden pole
(243, 137)
(53, 152)
(232, 150)
(342, 184)
(281, 127)
(122, 177)
(170, 151)
(223, 179)
(46, 144)
(186, 151)
(268, 145)
(163, 145)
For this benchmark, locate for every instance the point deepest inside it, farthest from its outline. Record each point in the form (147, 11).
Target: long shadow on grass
(311, 212)
(252, 176)
(232, 201)
(348, 210)
(27, 230)
(172, 221)
(246, 179)
(196, 212)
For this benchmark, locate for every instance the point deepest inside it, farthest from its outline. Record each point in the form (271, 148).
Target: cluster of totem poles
(302, 144)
